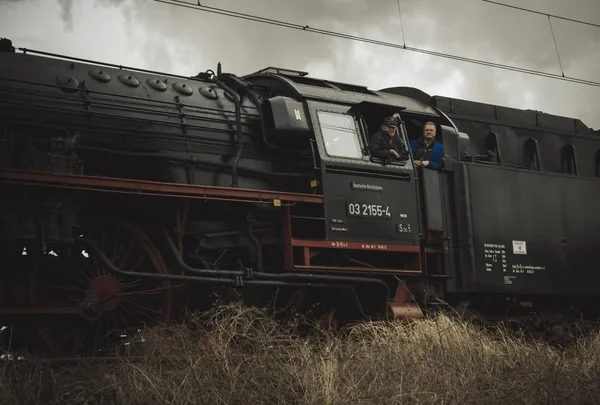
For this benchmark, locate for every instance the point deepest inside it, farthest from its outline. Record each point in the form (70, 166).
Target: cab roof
(303, 86)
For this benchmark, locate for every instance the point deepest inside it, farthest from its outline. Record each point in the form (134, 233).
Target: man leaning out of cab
(386, 143)
(428, 152)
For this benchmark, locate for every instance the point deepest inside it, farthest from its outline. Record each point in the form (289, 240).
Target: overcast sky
(147, 34)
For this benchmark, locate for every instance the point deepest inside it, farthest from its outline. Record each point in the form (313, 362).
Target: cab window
(339, 135)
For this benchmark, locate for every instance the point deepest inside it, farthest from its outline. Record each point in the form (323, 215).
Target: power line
(401, 25)
(556, 46)
(539, 12)
(306, 28)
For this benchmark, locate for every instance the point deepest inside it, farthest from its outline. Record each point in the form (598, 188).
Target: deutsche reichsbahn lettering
(368, 187)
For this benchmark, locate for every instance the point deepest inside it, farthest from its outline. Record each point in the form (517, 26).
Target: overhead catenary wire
(401, 24)
(550, 16)
(558, 17)
(556, 47)
(299, 27)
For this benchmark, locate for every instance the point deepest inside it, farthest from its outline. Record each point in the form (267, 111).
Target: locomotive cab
(376, 216)
(365, 200)
(369, 221)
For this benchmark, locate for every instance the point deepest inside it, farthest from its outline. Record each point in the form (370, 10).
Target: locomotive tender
(128, 195)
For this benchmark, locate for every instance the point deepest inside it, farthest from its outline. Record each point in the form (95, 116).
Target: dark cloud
(479, 30)
(171, 38)
(67, 13)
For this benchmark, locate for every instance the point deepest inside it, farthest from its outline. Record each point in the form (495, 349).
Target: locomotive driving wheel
(112, 307)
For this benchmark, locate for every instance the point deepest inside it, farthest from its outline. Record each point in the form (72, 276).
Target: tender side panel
(515, 139)
(534, 233)
(370, 208)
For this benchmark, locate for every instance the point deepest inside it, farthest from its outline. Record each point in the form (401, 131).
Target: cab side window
(340, 135)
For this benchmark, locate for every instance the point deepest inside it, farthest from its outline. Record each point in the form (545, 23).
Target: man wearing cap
(386, 143)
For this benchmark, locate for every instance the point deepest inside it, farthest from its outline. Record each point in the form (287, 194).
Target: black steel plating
(238, 123)
(513, 212)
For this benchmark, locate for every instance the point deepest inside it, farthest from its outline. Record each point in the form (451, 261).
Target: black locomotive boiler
(130, 195)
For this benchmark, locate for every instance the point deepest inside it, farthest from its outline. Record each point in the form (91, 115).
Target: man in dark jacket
(428, 152)
(386, 144)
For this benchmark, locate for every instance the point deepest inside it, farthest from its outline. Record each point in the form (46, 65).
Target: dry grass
(240, 356)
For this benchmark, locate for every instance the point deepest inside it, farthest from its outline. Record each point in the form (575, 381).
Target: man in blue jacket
(386, 144)
(426, 150)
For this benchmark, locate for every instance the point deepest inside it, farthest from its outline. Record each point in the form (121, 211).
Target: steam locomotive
(129, 196)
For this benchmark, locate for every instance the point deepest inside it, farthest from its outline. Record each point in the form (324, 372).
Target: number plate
(354, 209)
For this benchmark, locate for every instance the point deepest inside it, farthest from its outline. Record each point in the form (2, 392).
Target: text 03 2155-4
(355, 209)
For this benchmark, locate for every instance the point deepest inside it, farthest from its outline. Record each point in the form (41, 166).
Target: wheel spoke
(140, 261)
(122, 318)
(114, 253)
(126, 257)
(102, 269)
(135, 304)
(83, 283)
(131, 284)
(140, 323)
(62, 288)
(156, 291)
(84, 268)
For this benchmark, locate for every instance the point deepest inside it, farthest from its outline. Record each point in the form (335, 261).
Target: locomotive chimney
(6, 45)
